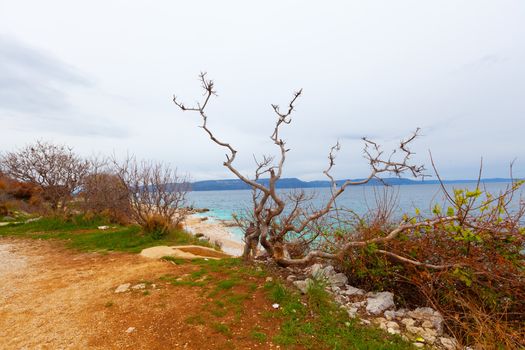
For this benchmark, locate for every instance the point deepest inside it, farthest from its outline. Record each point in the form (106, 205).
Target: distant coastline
(290, 183)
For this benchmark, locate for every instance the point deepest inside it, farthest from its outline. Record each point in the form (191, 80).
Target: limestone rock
(303, 285)
(379, 302)
(123, 288)
(449, 343)
(352, 291)
(338, 279)
(139, 286)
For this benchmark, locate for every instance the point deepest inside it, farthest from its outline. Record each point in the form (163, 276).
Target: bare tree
(104, 192)
(55, 168)
(275, 226)
(156, 192)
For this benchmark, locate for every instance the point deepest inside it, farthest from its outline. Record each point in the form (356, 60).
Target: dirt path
(53, 298)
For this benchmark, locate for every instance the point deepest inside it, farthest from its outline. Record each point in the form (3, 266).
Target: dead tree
(156, 192)
(55, 168)
(275, 225)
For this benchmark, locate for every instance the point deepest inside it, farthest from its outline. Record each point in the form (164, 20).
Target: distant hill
(235, 184)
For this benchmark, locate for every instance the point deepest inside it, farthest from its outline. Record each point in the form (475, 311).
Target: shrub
(471, 266)
(157, 226)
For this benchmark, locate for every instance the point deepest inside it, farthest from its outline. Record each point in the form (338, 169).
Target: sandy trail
(54, 298)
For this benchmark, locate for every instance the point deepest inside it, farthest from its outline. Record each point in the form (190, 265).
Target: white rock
(352, 311)
(393, 330)
(449, 343)
(275, 306)
(427, 324)
(352, 291)
(379, 302)
(103, 227)
(408, 322)
(139, 286)
(303, 285)
(130, 330)
(358, 304)
(392, 324)
(123, 288)
(418, 345)
(315, 269)
(338, 279)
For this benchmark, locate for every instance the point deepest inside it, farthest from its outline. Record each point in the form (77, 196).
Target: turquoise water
(360, 199)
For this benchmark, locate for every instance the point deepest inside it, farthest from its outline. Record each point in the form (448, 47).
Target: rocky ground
(423, 326)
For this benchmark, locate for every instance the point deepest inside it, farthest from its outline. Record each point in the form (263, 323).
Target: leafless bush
(56, 169)
(157, 194)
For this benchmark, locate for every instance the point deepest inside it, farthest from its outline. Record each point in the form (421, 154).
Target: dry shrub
(473, 268)
(20, 195)
(4, 211)
(157, 226)
(104, 194)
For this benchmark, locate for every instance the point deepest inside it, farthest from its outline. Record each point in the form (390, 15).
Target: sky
(100, 76)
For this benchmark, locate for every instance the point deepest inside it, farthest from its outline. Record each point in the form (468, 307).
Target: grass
(312, 321)
(319, 323)
(84, 235)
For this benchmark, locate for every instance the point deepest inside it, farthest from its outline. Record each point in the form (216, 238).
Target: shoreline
(215, 231)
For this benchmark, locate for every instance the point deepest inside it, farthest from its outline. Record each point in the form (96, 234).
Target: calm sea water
(360, 199)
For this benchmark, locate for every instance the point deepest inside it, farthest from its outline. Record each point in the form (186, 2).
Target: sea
(360, 199)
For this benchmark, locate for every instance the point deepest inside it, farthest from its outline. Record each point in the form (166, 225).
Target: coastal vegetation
(465, 260)
(51, 180)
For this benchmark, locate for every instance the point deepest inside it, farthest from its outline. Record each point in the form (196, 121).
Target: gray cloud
(32, 81)
(34, 89)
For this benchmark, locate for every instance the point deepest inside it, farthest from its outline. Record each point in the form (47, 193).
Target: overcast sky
(100, 76)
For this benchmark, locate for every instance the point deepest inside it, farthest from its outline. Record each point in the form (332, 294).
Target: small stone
(393, 331)
(103, 227)
(418, 345)
(123, 288)
(291, 278)
(390, 315)
(380, 302)
(408, 322)
(130, 330)
(365, 322)
(338, 279)
(427, 324)
(415, 330)
(139, 286)
(269, 279)
(448, 343)
(275, 306)
(303, 285)
(353, 291)
(352, 311)
(358, 304)
(392, 324)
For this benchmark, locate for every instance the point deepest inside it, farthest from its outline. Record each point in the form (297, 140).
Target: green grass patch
(83, 234)
(176, 261)
(258, 336)
(194, 320)
(222, 328)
